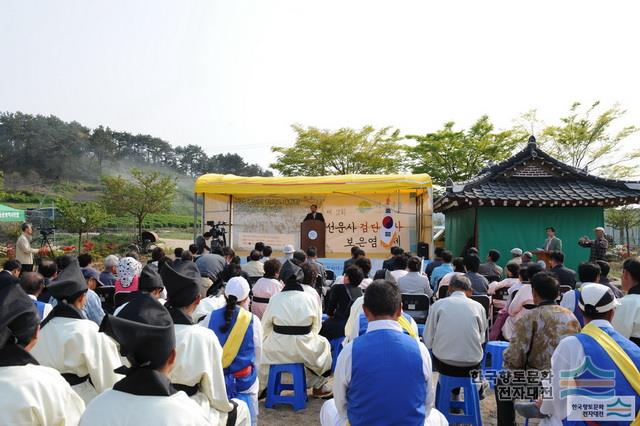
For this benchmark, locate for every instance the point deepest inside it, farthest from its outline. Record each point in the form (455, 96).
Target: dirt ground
(285, 416)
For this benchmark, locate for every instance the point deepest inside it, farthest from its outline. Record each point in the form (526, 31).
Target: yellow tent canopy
(345, 184)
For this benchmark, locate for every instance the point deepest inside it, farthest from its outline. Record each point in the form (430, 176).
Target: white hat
(600, 228)
(596, 298)
(238, 287)
(528, 254)
(288, 249)
(516, 251)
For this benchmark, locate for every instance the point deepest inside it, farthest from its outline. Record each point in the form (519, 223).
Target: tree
(587, 142)
(623, 219)
(146, 192)
(319, 152)
(102, 145)
(80, 218)
(461, 154)
(235, 165)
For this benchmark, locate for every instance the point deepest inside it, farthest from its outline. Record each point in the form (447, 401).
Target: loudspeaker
(423, 250)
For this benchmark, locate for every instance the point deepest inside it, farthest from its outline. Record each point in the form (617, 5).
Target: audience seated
(400, 267)
(266, 287)
(455, 330)
(627, 318)
(388, 264)
(536, 335)
(588, 273)
(382, 360)
(564, 275)
(414, 282)
(435, 262)
(364, 264)
(513, 271)
(31, 393)
(523, 297)
(291, 326)
(458, 269)
(440, 271)
(491, 267)
(339, 301)
(108, 275)
(479, 284)
(254, 267)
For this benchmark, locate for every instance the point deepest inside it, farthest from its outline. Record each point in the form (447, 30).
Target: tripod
(46, 243)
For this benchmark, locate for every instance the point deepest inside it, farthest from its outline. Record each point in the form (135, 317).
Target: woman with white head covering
(240, 334)
(128, 275)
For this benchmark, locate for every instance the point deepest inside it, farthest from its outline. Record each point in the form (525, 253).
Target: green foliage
(623, 219)
(461, 154)
(320, 152)
(47, 149)
(585, 140)
(80, 218)
(145, 193)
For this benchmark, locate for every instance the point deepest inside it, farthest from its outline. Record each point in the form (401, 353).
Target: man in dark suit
(314, 215)
(388, 264)
(565, 276)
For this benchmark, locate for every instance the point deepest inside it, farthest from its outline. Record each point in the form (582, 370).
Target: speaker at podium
(312, 233)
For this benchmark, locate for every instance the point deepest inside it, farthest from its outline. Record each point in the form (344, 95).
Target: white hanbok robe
(116, 408)
(294, 308)
(208, 305)
(199, 362)
(37, 395)
(76, 346)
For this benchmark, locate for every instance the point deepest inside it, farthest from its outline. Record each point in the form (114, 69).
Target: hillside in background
(43, 157)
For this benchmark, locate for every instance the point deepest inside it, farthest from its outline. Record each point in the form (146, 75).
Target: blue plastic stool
(470, 406)
(493, 359)
(275, 386)
(336, 347)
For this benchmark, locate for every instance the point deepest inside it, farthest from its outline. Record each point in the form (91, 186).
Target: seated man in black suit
(314, 215)
(564, 275)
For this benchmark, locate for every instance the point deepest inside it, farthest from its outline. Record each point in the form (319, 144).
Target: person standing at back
(598, 246)
(552, 243)
(24, 252)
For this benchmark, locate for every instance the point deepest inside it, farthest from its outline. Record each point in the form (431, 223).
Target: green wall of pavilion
(504, 228)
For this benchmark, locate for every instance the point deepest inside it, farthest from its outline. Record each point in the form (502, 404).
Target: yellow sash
(406, 325)
(232, 345)
(619, 357)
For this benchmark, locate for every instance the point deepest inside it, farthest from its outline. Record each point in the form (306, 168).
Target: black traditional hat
(182, 282)
(149, 279)
(291, 273)
(18, 316)
(69, 283)
(144, 329)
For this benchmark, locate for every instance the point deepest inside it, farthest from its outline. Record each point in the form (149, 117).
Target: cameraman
(24, 252)
(202, 243)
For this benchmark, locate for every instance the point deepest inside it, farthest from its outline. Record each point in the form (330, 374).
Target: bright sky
(233, 75)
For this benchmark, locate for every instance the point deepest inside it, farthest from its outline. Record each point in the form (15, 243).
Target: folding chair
(417, 306)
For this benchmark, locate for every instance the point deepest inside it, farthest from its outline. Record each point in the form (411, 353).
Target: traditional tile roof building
(487, 211)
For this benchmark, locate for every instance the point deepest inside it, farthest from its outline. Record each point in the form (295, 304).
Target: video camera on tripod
(218, 233)
(46, 232)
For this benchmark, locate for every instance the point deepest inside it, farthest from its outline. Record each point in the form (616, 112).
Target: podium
(544, 256)
(312, 233)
